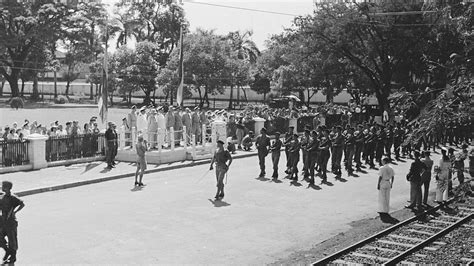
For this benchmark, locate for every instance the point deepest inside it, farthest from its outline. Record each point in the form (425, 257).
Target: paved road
(174, 220)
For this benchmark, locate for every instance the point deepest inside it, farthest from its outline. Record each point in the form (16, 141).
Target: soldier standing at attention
(304, 142)
(359, 146)
(379, 144)
(397, 140)
(312, 149)
(324, 145)
(294, 153)
(262, 143)
(288, 138)
(221, 156)
(141, 148)
(276, 150)
(10, 205)
(349, 143)
(337, 146)
(111, 137)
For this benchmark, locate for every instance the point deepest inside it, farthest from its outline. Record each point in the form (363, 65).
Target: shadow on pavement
(136, 188)
(327, 183)
(387, 218)
(315, 187)
(362, 171)
(277, 181)
(295, 183)
(105, 170)
(341, 179)
(354, 175)
(262, 178)
(219, 203)
(90, 166)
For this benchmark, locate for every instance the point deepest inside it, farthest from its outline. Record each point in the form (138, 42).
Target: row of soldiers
(343, 146)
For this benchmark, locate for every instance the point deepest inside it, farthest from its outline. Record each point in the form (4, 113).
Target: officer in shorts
(141, 148)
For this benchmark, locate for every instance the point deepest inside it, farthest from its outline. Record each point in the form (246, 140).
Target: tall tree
(22, 25)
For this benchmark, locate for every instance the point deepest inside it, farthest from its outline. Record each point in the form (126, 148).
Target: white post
(193, 144)
(122, 138)
(203, 133)
(37, 151)
(172, 138)
(160, 139)
(259, 124)
(185, 138)
(133, 136)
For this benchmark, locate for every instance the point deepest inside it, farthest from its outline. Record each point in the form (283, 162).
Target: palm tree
(245, 49)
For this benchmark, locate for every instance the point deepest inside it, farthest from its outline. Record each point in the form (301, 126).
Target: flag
(103, 99)
(179, 92)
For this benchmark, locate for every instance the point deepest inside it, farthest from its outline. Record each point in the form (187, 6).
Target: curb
(34, 191)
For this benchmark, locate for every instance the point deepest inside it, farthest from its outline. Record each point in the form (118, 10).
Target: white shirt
(386, 172)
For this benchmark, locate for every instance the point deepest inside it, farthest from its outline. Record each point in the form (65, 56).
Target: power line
(243, 8)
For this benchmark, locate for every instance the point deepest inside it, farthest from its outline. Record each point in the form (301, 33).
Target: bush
(17, 102)
(61, 99)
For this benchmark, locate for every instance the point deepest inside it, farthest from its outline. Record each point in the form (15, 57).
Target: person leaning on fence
(141, 148)
(221, 156)
(111, 139)
(10, 205)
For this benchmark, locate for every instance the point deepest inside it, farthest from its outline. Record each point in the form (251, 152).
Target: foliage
(24, 26)
(158, 22)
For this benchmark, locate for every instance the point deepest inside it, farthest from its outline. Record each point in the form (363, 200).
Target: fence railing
(14, 152)
(60, 148)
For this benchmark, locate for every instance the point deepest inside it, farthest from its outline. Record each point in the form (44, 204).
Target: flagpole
(179, 92)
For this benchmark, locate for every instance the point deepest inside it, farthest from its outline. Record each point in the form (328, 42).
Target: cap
(143, 108)
(7, 184)
(277, 133)
(196, 108)
(263, 130)
(220, 142)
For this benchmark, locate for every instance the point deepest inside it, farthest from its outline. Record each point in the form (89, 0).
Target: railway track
(398, 242)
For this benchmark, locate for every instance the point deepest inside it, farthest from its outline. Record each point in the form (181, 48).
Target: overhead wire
(242, 8)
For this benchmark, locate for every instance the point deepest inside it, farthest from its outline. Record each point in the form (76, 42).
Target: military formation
(353, 148)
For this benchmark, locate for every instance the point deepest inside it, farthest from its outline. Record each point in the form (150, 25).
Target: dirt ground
(360, 229)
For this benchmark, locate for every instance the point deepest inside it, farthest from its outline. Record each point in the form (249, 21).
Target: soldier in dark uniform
(397, 140)
(276, 150)
(379, 144)
(294, 153)
(262, 143)
(288, 138)
(111, 138)
(324, 154)
(388, 141)
(303, 143)
(221, 156)
(369, 143)
(359, 146)
(349, 144)
(337, 143)
(10, 204)
(312, 149)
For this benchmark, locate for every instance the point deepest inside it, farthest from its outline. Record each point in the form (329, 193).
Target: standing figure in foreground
(442, 177)
(276, 150)
(141, 148)
(221, 156)
(414, 176)
(262, 143)
(426, 177)
(384, 185)
(10, 205)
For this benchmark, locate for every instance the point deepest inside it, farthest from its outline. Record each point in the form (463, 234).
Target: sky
(201, 14)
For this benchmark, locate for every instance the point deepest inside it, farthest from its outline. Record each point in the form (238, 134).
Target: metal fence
(14, 152)
(72, 147)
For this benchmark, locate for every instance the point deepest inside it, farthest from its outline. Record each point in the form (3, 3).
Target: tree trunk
(13, 81)
(91, 95)
(206, 97)
(35, 95)
(154, 96)
(245, 95)
(68, 83)
(301, 94)
(22, 88)
(231, 106)
(147, 98)
(1, 87)
(238, 96)
(56, 86)
(111, 98)
(201, 102)
(329, 94)
(130, 97)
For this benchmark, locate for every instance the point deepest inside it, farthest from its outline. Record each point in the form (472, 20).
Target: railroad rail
(394, 244)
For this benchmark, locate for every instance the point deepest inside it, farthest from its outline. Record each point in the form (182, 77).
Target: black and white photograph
(236, 132)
